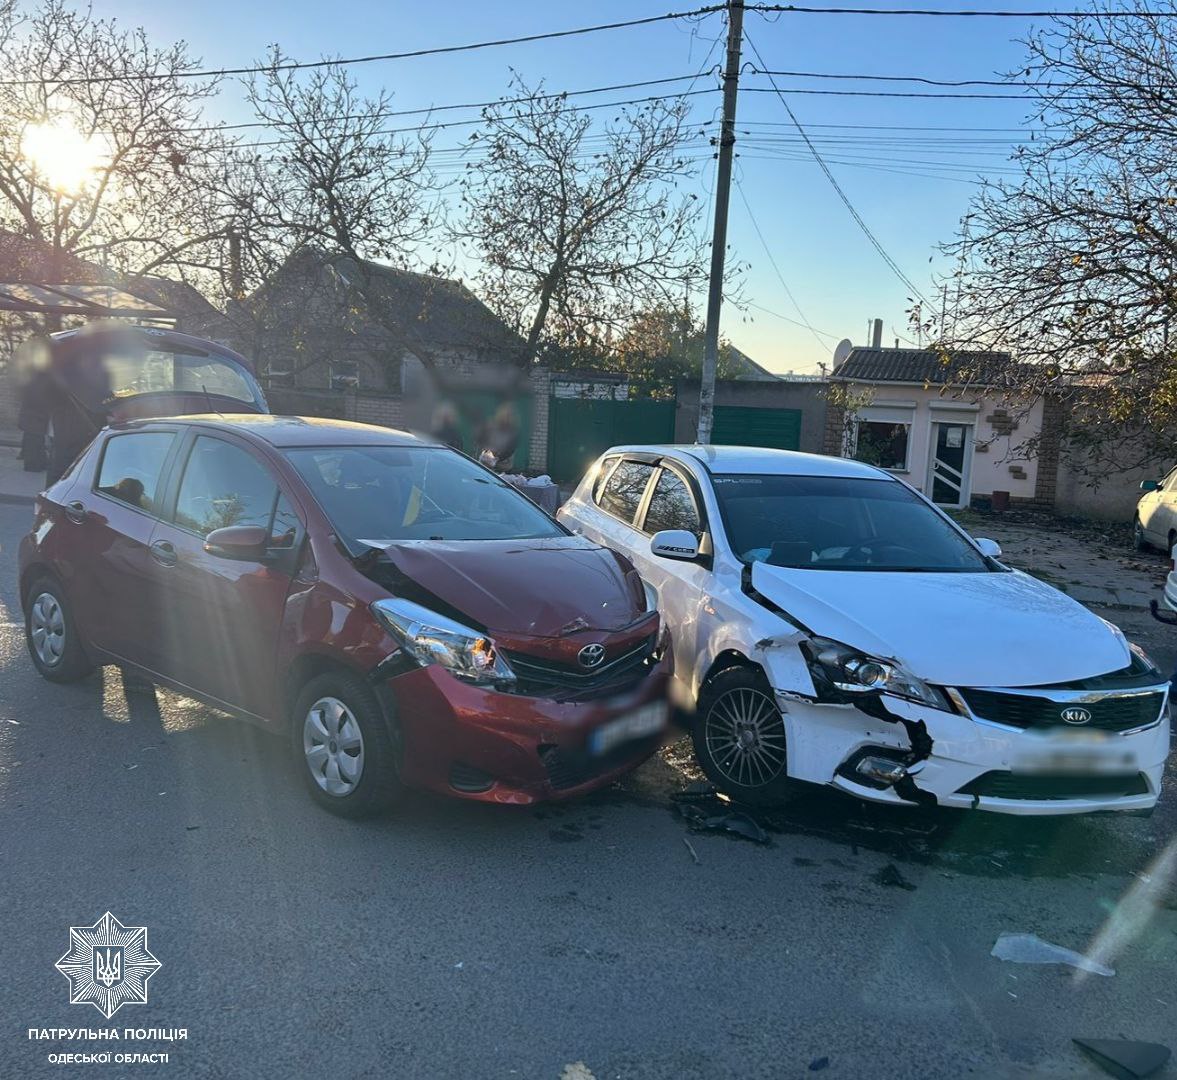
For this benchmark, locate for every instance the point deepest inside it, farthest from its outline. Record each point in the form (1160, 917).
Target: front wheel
(739, 737)
(52, 635)
(343, 746)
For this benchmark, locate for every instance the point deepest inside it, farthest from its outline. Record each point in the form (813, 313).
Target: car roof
(293, 431)
(760, 461)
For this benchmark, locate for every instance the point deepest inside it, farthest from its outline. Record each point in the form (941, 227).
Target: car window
(284, 531)
(224, 485)
(671, 506)
(132, 465)
(602, 475)
(624, 488)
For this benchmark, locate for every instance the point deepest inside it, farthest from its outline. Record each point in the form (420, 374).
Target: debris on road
(704, 810)
(1031, 949)
(578, 1070)
(1125, 1058)
(817, 1064)
(691, 849)
(890, 875)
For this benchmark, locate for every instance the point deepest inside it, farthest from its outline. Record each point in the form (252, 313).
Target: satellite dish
(842, 351)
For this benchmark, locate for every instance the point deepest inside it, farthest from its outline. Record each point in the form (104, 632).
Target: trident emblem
(108, 965)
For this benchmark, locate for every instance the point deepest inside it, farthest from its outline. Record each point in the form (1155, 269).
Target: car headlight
(430, 638)
(854, 672)
(1141, 658)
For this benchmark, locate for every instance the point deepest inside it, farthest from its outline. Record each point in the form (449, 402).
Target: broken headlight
(430, 638)
(851, 671)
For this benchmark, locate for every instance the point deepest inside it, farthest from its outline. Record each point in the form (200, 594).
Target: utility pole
(723, 184)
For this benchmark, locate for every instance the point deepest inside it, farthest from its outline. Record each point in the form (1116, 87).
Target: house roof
(924, 366)
(436, 312)
(747, 368)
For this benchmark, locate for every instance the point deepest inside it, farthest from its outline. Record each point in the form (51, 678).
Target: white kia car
(831, 624)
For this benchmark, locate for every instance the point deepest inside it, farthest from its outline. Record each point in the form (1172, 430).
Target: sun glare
(62, 154)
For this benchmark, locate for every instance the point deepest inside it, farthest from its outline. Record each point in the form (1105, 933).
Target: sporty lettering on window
(832, 625)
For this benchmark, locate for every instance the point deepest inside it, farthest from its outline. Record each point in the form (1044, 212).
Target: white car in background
(832, 625)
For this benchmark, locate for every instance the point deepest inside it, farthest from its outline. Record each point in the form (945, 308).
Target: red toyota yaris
(397, 611)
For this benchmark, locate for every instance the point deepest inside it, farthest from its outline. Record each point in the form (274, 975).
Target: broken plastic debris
(705, 810)
(1031, 949)
(1125, 1058)
(890, 875)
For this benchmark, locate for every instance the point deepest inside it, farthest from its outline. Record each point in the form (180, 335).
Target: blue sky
(911, 193)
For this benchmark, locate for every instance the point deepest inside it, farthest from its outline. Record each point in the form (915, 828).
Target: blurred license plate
(1076, 757)
(640, 724)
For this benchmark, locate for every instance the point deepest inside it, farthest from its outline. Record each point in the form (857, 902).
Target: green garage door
(738, 425)
(580, 430)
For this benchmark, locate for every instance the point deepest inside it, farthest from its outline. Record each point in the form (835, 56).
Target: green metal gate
(739, 425)
(580, 429)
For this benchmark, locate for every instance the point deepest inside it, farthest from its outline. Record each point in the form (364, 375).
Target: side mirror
(674, 544)
(989, 548)
(1150, 485)
(245, 542)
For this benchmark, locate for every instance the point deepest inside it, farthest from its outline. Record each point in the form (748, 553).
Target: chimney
(876, 335)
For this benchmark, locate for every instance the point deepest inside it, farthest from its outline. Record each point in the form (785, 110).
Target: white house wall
(994, 453)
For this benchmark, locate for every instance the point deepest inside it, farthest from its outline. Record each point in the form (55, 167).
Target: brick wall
(541, 390)
(834, 438)
(1049, 445)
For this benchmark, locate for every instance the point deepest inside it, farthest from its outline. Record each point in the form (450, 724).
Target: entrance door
(949, 469)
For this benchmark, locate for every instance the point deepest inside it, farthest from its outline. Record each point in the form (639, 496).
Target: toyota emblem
(591, 655)
(1076, 715)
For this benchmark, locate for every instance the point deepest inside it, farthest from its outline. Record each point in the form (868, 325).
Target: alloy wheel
(47, 629)
(333, 746)
(745, 737)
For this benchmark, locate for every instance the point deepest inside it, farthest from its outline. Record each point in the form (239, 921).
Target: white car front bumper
(1082, 766)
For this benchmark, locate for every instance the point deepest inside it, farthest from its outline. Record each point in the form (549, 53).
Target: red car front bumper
(475, 743)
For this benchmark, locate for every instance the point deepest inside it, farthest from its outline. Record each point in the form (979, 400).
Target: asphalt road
(460, 940)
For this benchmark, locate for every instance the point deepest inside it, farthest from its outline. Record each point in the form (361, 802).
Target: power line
(785, 318)
(791, 9)
(773, 263)
(894, 266)
(929, 82)
(910, 94)
(430, 109)
(262, 69)
(468, 123)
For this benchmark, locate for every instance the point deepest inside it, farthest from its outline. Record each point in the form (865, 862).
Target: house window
(279, 378)
(882, 443)
(345, 374)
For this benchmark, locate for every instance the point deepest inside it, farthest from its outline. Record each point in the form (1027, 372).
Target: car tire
(344, 746)
(51, 634)
(1139, 543)
(739, 738)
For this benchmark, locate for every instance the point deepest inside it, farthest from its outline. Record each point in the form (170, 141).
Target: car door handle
(164, 553)
(76, 512)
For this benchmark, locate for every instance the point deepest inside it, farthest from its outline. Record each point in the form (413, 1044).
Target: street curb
(17, 500)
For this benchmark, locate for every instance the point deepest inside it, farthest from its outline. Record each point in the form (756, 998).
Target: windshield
(379, 495)
(149, 371)
(839, 523)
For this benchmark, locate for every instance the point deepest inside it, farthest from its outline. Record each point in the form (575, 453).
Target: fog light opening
(881, 770)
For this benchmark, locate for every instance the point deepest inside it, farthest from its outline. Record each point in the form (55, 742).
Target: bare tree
(577, 229)
(337, 183)
(1071, 267)
(103, 154)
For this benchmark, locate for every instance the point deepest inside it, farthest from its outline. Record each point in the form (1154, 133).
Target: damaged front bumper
(958, 760)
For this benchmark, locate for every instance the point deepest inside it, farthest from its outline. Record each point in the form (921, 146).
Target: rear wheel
(1138, 540)
(739, 737)
(343, 747)
(51, 634)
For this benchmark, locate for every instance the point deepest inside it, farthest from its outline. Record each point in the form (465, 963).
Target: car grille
(569, 769)
(1121, 712)
(1045, 787)
(538, 677)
